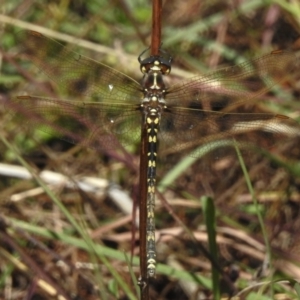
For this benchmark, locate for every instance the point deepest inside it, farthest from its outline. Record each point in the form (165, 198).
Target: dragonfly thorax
(154, 67)
(154, 88)
(153, 81)
(153, 105)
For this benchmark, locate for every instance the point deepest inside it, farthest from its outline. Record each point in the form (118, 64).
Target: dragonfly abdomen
(152, 130)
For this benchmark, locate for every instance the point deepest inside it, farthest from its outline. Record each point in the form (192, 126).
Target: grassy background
(75, 239)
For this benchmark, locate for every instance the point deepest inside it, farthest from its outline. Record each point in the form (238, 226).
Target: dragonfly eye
(155, 63)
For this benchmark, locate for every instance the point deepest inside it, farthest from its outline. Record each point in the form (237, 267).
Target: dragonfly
(113, 106)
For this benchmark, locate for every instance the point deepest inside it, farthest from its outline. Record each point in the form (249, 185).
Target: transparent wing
(198, 108)
(78, 75)
(195, 128)
(230, 87)
(108, 113)
(101, 127)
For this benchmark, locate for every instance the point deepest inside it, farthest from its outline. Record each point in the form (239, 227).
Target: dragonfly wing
(210, 108)
(230, 87)
(76, 75)
(102, 127)
(188, 129)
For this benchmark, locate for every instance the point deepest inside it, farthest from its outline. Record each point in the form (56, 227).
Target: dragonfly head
(155, 63)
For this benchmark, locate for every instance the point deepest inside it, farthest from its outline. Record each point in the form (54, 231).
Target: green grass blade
(210, 221)
(256, 204)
